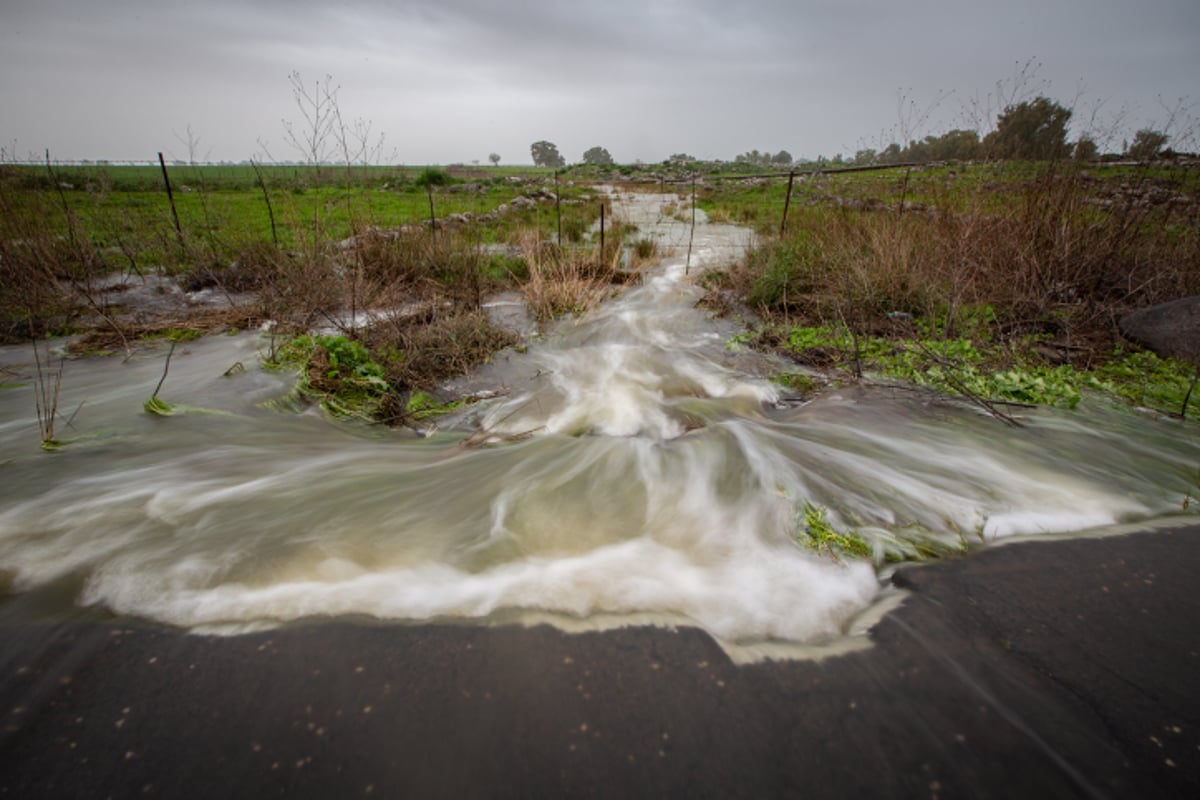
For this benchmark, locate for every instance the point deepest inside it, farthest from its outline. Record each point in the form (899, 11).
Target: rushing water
(635, 468)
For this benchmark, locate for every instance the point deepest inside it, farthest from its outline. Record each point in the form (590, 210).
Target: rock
(1169, 329)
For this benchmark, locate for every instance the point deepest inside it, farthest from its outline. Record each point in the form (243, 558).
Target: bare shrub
(1053, 252)
(303, 287)
(417, 264)
(419, 350)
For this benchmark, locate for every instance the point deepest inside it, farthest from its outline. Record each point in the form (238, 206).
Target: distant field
(240, 176)
(124, 211)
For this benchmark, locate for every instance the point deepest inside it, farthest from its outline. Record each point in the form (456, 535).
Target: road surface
(1066, 668)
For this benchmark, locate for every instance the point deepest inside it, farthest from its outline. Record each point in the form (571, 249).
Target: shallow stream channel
(634, 467)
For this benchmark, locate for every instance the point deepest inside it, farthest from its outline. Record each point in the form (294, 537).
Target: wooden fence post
(558, 211)
(171, 201)
(787, 202)
(601, 231)
(687, 266)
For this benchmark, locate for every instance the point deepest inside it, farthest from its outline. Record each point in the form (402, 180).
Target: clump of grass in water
(339, 372)
(819, 535)
(344, 377)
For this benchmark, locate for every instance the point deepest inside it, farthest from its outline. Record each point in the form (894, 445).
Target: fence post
(687, 267)
(62, 199)
(787, 202)
(558, 210)
(601, 231)
(171, 201)
(432, 213)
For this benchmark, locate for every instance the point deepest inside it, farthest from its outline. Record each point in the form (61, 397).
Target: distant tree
(1147, 144)
(495, 159)
(1035, 130)
(1085, 149)
(892, 154)
(545, 154)
(764, 159)
(955, 145)
(865, 157)
(597, 155)
(681, 158)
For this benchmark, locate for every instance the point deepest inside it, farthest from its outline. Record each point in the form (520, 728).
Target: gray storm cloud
(456, 79)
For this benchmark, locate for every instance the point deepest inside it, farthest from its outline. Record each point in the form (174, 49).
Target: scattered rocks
(1169, 329)
(449, 221)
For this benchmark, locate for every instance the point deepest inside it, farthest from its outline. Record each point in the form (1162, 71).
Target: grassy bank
(302, 249)
(1000, 282)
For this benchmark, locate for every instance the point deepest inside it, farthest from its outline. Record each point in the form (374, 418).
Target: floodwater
(635, 468)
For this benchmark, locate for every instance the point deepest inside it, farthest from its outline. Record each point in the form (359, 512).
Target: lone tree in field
(495, 159)
(545, 154)
(1147, 144)
(1034, 130)
(597, 155)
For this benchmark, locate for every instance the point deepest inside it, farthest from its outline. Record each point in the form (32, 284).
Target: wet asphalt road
(1061, 669)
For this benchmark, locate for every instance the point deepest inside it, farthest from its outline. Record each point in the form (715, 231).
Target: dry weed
(568, 282)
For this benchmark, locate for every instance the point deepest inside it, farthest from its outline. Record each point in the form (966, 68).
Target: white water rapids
(639, 469)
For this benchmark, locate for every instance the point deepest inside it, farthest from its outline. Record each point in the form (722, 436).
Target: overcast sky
(454, 80)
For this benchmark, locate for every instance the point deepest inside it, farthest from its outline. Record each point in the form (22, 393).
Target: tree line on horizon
(1031, 130)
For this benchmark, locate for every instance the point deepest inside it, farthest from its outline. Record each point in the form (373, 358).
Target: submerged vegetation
(816, 533)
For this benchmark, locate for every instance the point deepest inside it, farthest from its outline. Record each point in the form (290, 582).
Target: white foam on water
(778, 593)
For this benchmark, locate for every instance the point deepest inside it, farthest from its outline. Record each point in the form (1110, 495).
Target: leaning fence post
(787, 201)
(171, 201)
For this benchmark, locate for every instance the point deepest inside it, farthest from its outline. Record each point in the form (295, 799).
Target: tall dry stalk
(45, 396)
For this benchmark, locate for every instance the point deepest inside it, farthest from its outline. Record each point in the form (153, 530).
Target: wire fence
(668, 205)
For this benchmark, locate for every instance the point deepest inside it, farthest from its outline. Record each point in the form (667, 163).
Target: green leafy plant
(815, 532)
